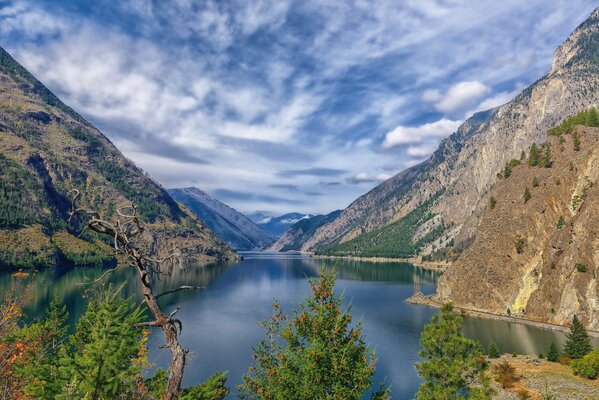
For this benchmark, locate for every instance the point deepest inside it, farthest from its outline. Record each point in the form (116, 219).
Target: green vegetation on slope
(395, 240)
(588, 117)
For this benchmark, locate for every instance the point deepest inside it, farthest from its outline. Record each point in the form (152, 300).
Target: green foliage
(580, 267)
(534, 155)
(545, 156)
(526, 196)
(578, 343)
(535, 182)
(507, 170)
(315, 354)
(553, 354)
(453, 366)
(394, 240)
(585, 117)
(492, 202)
(493, 351)
(576, 141)
(16, 202)
(587, 366)
(212, 389)
(560, 222)
(100, 355)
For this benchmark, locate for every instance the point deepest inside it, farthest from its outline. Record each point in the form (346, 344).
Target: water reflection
(220, 322)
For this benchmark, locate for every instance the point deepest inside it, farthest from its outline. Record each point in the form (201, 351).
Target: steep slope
(276, 226)
(537, 258)
(46, 149)
(466, 164)
(297, 234)
(231, 226)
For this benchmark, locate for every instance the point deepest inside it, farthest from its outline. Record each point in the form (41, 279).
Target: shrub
(519, 244)
(493, 350)
(553, 354)
(505, 375)
(587, 366)
(535, 182)
(560, 222)
(492, 202)
(580, 267)
(526, 195)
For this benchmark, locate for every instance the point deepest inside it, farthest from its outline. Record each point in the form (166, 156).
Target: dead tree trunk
(123, 232)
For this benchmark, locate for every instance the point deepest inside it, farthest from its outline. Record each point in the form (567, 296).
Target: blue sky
(284, 105)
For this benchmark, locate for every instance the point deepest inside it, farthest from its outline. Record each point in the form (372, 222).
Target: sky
(284, 105)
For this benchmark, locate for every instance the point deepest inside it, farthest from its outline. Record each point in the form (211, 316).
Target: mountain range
(297, 234)
(233, 227)
(47, 149)
(276, 225)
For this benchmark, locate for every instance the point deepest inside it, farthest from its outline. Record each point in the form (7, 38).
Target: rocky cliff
(536, 252)
(46, 149)
(465, 165)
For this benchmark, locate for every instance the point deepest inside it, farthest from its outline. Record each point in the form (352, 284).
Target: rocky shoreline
(432, 265)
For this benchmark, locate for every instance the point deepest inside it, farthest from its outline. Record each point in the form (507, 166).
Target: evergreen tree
(553, 354)
(534, 155)
(493, 350)
(560, 222)
(545, 158)
(454, 366)
(99, 359)
(576, 141)
(315, 354)
(492, 202)
(593, 118)
(578, 343)
(526, 195)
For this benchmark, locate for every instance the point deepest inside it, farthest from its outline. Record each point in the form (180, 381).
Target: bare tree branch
(184, 287)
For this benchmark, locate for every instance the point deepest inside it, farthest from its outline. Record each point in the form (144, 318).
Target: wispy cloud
(264, 96)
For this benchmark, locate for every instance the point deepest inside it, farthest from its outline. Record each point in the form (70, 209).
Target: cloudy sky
(284, 105)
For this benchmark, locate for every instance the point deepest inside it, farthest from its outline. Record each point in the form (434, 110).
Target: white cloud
(419, 151)
(431, 95)
(365, 178)
(459, 97)
(414, 134)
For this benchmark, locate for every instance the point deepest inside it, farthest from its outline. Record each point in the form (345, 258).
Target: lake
(220, 322)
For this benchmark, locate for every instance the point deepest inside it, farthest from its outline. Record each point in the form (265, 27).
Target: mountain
(537, 258)
(47, 149)
(276, 226)
(234, 228)
(439, 203)
(302, 230)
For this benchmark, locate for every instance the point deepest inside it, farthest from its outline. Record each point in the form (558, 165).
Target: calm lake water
(220, 322)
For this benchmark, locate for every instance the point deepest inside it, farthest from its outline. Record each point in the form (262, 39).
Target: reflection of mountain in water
(71, 285)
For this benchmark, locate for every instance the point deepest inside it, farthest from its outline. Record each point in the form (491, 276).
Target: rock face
(295, 237)
(539, 258)
(465, 165)
(46, 149)
(231, 226)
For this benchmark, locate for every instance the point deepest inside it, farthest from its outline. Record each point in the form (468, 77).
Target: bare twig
(184, 287)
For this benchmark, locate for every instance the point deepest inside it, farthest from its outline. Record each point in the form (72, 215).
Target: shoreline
(431, 265)
(420, 299)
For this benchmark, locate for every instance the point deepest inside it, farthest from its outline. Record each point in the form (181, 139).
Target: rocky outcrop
(537, 259)
(466, 164)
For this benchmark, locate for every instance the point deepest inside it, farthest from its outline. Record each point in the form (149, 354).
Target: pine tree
(453, 366)
(315, 354)
(492, 202)
(493, 350)
(553, 354)
(578, 343)
(576, 141)
(593, 118)
(545, 160)
(100, 355)
(534, 155)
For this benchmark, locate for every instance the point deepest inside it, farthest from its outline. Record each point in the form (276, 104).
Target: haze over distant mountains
(234, 228)
(276, 225)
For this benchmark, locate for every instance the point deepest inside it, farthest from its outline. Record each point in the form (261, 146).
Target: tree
(593, 118)
(526, 195)
(545, 156)
(100, 356)
(533, 155)
(560, 222)
(493, 350)
(578, 342)
(315, 354)
(492, 202)
(126, 233)
(576, 141)
(453, 366)
(587, 366)
(553, 354)
(535, 182)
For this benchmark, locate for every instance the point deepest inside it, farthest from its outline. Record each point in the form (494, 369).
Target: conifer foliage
(578, 343)
(315, 354)
(454, 366)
